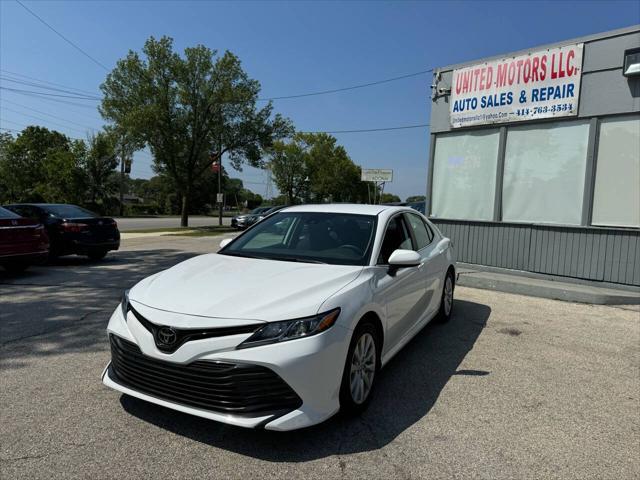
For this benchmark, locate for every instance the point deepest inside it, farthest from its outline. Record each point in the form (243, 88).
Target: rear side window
(4, 213)
(396, 236)
(24, 211)
(422, 233)
(429, 231)
(69, 211)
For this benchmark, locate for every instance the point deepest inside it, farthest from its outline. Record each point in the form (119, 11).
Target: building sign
(537, 85)
(376, 175)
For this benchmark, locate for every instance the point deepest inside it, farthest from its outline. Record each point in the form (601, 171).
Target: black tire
(97, 254)
(445, 312)
(16, 267)
(348, 404)
(54, 253)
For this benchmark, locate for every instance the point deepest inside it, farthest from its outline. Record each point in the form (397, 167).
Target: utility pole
(122, 162)
(219, 183)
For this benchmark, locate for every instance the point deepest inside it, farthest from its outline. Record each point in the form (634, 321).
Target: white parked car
(289, 322)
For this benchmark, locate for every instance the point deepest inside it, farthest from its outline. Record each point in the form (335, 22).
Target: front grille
(181, 336)
(233, 388)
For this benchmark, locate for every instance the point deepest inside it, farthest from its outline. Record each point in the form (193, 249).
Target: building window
(616, 198)
(544, 173)
(464, 175)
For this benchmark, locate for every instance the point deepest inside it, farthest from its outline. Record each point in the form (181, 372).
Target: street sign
(376, 175)
(220, 197)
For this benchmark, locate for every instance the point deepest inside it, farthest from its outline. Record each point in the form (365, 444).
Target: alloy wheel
(363, 368)
(448, 295)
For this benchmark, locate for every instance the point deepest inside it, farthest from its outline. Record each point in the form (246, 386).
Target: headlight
(275, 332)
(124, 303)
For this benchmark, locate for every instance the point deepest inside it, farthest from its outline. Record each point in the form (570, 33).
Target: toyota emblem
(14, 222)
(166, 336)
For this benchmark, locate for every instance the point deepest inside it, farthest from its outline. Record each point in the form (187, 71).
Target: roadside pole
(122, 162)
(219, 184)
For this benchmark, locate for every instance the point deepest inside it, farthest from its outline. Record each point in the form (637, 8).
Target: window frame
(430, 234)
(597, 165)
(485, 130)
(386, 226)
(548, 124)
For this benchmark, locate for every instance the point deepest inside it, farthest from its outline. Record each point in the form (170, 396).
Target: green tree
(64, 176)
(289, 164)
(312, 166)
(416, 198)
(6, 143)
(188, 109)
(389, 198)
(99, 166)
(332, 174)
(23, 160)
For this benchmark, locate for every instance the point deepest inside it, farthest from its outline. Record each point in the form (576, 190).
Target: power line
(37, 85)
(45, 120)
(19, 90)
(364, 130)
(57, 100)
(47, 114)
(62, 36)
(285, 97)
(15, 74)
(344, 89)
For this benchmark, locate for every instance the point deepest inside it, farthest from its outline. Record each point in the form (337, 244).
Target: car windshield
(258, 210)
(68, 211)
(4, 213)
(314, 237)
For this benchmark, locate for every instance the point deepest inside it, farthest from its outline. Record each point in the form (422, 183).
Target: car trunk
(20, 236)
(92, 229)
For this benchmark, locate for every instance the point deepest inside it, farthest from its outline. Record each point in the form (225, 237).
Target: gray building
(534, 162)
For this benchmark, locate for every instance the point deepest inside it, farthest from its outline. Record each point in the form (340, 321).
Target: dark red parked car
(23, 241)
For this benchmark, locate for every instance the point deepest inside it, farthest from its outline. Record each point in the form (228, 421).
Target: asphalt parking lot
(512, 387)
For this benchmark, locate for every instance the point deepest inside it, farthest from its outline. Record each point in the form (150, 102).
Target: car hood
(230, 287)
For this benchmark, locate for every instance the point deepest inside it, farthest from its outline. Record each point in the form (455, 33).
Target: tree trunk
(184, 217)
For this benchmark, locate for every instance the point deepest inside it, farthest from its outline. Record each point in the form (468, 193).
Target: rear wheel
(446, 302)
(360, 369)
(97, 254)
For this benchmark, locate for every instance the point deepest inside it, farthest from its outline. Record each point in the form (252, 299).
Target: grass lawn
(201, 231)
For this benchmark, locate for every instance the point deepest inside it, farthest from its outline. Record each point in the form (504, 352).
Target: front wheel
(360, 369)
(446, 302)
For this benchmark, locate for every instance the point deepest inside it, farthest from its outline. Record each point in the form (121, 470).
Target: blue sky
(291, 48)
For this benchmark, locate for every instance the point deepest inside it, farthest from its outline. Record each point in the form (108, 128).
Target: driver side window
(396, 236)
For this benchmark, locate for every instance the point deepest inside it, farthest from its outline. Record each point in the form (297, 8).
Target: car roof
(353, 208)
(28, 204)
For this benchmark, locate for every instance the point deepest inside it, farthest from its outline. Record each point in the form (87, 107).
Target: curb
(568, 292)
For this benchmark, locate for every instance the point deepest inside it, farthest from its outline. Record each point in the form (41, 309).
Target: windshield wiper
(269, 257)
(299, 260)
(244, 255)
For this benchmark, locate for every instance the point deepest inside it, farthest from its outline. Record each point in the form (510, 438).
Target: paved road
(512, 387)
(126, 224)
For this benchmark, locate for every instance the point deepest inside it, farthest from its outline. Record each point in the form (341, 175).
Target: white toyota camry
(289, 322)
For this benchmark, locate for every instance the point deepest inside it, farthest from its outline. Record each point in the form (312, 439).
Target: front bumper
(311, 367)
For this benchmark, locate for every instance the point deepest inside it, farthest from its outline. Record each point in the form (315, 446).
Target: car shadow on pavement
(407, 389)
(65, 307)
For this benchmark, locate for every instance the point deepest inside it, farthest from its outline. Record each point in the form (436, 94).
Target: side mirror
(225, 241)
(404, 258)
